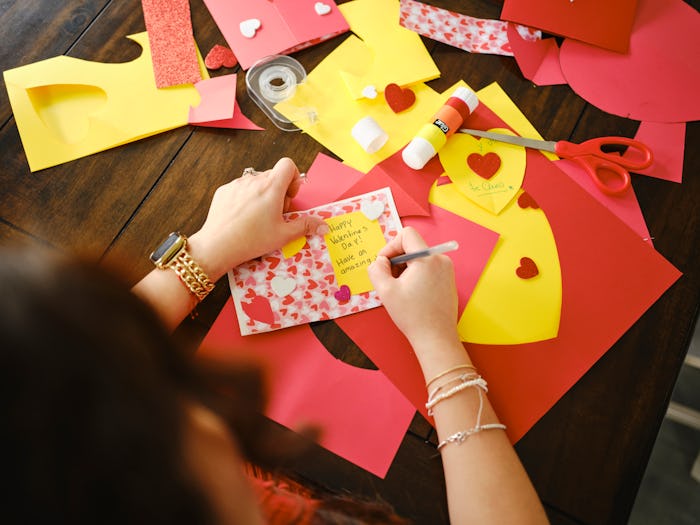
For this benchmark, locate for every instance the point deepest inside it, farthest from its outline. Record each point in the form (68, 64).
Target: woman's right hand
(421, 296)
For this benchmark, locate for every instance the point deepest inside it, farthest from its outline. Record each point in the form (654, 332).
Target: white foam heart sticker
(321, 8)
(283, 286)
(369, 92)
(250, 27)
(372, 209)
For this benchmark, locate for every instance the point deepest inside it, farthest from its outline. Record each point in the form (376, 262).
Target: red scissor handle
(642, 158)
(609, 177)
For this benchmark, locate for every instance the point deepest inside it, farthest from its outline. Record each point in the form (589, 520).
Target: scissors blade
(546, 145)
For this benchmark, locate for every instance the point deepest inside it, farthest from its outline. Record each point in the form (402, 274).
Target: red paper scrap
(172, 45)
(598, 22)
(362, 416)
(656, 80)
(538, 60)
(476, 35)
(667, 141)
(218, 108)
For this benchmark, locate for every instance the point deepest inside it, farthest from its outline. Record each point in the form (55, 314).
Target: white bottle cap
(369, 134)
(418, 152)
(468, 97)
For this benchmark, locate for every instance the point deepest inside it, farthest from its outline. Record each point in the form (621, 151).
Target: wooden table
(586, 456)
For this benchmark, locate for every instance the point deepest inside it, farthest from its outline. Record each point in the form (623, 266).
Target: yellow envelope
(392, 53)
(67, 108)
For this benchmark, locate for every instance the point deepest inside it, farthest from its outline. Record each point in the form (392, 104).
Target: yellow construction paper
(505, 309)
(67, 108)
(392, 53)
(293, 247)
(496, 191)
(353, 243)
(338, 112)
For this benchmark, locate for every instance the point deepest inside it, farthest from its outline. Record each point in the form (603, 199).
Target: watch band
(173, 254)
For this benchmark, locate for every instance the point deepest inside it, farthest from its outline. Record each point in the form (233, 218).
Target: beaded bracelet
(461, 378)
(461, 436)
(478, 382)
(445, 372)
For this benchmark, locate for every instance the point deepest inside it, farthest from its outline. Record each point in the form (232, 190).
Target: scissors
(589, 154)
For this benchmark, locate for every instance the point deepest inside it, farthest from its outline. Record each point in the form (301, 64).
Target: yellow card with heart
(486, 171)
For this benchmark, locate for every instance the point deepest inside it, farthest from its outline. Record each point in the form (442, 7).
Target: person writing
(108, 420)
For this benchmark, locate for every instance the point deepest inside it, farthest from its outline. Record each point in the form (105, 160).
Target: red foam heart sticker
(526, 201)
(527, 269)
(259, 310)
(220, 56)
(485, 166)
(343, 295)
(398, 99)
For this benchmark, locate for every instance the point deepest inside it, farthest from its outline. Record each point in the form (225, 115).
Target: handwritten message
(353, 243)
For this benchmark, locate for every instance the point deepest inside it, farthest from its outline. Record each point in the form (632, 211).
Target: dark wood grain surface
(586, 456)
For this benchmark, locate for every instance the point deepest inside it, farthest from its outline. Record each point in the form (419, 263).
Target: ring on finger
(248, 171)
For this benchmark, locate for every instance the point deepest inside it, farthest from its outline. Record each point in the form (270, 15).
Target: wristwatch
(172, 254)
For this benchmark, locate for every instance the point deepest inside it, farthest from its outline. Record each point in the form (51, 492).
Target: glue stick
(446, 121)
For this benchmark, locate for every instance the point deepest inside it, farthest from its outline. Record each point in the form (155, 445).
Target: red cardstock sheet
(599, 22)
(657, 80)
(173, 50)
(667, 141)
(362, 416)
(538, 60)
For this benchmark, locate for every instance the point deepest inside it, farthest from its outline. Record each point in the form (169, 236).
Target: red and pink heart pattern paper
(274, 292)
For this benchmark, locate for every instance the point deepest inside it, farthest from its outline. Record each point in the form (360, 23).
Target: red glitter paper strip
(173, 49)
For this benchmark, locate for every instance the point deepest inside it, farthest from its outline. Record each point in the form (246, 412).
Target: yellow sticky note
(67, 108)
(486, 171)
(391, 53)
(504, 307)
(353, 243)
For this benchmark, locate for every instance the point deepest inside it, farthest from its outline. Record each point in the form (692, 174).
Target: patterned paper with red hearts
(476, 35)
(315, 293)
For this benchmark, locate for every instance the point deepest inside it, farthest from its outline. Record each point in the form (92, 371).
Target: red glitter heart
(343, 295)
(526, 201)
(527, 269)
(220, 56)
(398, 99)
(485, 166)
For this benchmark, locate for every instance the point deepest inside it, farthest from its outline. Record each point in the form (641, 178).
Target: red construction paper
(363, 417)
(327, 180)
(659, 77)
(538, 60)
(374, 331)
(625, 206)
(599, 22)
(610, 278)
(173, 50)
(667, 141)
(286, 26)
(218, 108)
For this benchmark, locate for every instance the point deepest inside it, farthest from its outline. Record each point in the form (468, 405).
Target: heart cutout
(259, 310)
(220, 56)
(369, 92)
(527, 269)
(526, 201)
(485, 166)
(372, 209)
(343, 294)
(249, 27)
(282, 286)
(321, 8)
(399, 99)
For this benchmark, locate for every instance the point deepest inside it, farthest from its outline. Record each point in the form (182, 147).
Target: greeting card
(318, 277)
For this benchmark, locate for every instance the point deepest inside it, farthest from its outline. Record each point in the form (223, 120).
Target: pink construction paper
(667, 141)
(218, 108)
(286, 26)
(326, 180)
(625, 206)
(362, 416)
(172, 45)
(476, 35)
(657, 80)
(538, 60)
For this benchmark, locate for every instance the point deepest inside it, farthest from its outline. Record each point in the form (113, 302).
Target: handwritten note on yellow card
(486, 171)
(353, 243)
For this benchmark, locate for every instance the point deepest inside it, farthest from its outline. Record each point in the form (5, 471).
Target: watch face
(166, 251)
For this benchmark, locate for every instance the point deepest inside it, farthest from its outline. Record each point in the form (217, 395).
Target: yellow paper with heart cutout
(67, 108)
(488, 172)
